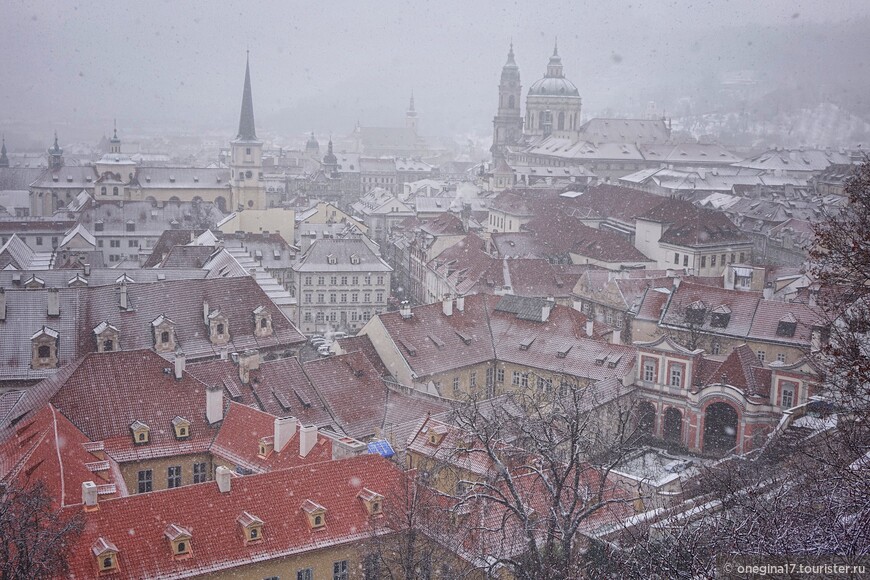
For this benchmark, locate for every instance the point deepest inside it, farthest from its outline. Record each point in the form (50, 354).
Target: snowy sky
(327, 64)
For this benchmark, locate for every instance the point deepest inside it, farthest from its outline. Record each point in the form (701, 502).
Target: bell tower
(246, 162)
(507, 125)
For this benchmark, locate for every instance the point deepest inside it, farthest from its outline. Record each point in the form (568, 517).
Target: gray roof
(183, 177)
(316, 259)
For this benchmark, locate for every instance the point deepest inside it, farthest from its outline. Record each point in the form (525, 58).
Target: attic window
(180, 539)
(330, 259)
(436, 341)
(354, 259)
(252, 527)
(436, 434)
(527, 343)
(316, 514)
(267, 445)
(106, 554)
(141, 433)
(720, 316)
(374, 502)
(181, 426)
(464, 337)
(563, 352)
(787, 326)
(695, 313)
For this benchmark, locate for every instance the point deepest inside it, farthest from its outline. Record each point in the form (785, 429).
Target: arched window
(264, 323)
(220, 328)
(561, 121)
(44, 351)
(543, 119)
(108, 345)
(511, 102)
(115, 190)
(164, 336)
(103, 190)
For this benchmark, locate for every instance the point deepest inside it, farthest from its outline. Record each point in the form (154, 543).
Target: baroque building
(553, 103)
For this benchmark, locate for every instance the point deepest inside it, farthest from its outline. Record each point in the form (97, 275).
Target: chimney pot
(307, 439)
(285, 429)
(223, 476)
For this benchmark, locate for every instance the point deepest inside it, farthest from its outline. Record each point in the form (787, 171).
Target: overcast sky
(323, 65)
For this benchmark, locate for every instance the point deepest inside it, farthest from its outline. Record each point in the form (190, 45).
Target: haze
(177, 67)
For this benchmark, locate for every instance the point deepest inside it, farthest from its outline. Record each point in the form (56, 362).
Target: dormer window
(316, 514)
(436, 434)
(164, 334)
(330, 259)
(373, 502)
(720, 316)
(252, 527)
(181, 427)
(262, 322)
(107, 337)
(218, 327)
(180, 540)
(695, 313)
(787, 326)
(141, 432)
(354, 259)
(106, 554)
(267, 445)
(44, 348)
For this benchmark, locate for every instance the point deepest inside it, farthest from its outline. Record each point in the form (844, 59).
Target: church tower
(4, 161)
(55, 155)
(330, 161)
(411, 116)
(114, 142)
(553, 103)
(507, 125)
(246, 162)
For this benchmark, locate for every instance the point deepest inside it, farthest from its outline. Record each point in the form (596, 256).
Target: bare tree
(548, 483)
(34, 536)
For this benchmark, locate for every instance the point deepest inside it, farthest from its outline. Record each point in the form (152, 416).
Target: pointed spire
(556, 47)
(56, 146)
(247, 132)
(4, 161)
(510, 59)
(411, 107)
(115, 122)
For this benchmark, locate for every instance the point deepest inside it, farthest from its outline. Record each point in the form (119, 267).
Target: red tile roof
(691, 226)
(358, 398)
(364, 345)
(238, 442)
(136, 524)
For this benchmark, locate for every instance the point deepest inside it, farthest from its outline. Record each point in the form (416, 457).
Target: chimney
(248, 361)
(546, 307)
(590, 324)
(307, 439)
(89, 495)
(87, 270)
(460, 303)
(347, 447)
(447, 306)
(124, 304)
(223, 476)
(214, 404)
(205, 312)
(180, 361)
(285, 429)
(2, 304)
(405, 311)
(767, 293)
(53, 302)
(223, 353)
(616, 336)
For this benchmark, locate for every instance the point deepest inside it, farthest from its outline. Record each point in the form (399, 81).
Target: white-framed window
(516, 378)
(780, 356)
(760, 355)
(676, 375)
(649, 370)
(788, 395)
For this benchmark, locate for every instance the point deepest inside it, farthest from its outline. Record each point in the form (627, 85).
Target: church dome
(554, 87)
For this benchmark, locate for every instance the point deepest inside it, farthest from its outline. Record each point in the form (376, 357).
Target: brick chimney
(447, 306)
(53, 302)
(214, 404)
(123, 302)
(248, 361)
(223, 476)
(285, 429)
(307, 439)
(180, 363)
(89, 495)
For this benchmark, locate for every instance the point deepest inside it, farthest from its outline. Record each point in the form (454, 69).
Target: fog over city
(324, 67)
(449, 290)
